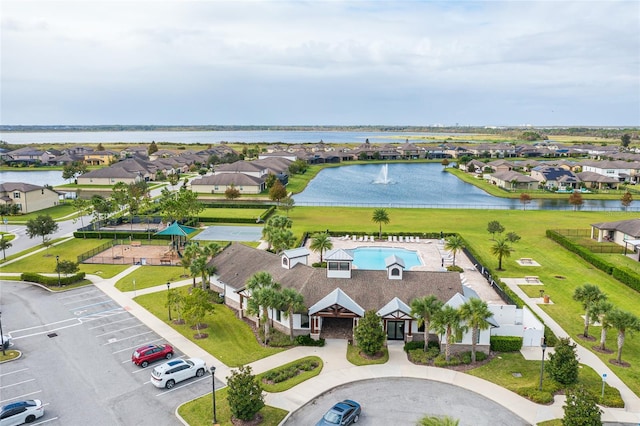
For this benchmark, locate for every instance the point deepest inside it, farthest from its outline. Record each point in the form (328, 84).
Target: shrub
(413, 345)
(244, 394)
(306, 340)
(369, 334)
(441, 361)
(563, 363)
(505, 343)
(51, 281)
(454, 268)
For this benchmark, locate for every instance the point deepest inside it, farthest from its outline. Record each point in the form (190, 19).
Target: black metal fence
(485, 273)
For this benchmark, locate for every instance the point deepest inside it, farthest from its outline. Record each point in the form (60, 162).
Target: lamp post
(543, 346)
(2, 336)
(213, 386)
(58, 268)
(168, 304)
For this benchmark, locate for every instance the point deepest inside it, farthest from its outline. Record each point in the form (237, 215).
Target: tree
(287, 204)
(624, 322)
(4, 245)
(588, 295)
(200, 257)
(270, 180)
(494, 227)
(152, 148)
(454, 244)
(447, 321)
(291, 302)
(42, 226)
(626, 199)
(575, 199)
(625, 140)
(263, 296)
(369, 334)
(380, 216)
(475, 313)
(438, 421)
(179, 205)
(175, 302)
(231, 193)
(563, 364)
(445, 162)
(501, 249)
(525, 199)
(600, 312)
(580, 408)
(73, 169)
(271, 231)
(320, 243)
(67, 267)
(423, 310)
(196, 306)
(512, 237)
(282, 239)
(173, 179)
(82, 206)
(277, 192)
(244, 394)
(102, 208)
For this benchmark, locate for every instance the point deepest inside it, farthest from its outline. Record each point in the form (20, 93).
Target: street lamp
(2, 336)
(58, 268)
(213, 386)
(543, 346)
(168, 304)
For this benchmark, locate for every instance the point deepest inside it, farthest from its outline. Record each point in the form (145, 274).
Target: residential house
(100, 158)
(555, 177)
(109, 176)
(622, 171)
(622, 232)
(28, 155)
(29, 198)
(513, 180)
(594, 180)
(219, 183)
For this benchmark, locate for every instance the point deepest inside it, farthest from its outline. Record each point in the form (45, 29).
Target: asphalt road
(403, 401)
(77, 349)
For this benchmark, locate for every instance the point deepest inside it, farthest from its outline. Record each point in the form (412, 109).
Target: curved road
(403, 401)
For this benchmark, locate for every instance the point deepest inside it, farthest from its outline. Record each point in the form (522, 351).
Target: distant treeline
(595, 131)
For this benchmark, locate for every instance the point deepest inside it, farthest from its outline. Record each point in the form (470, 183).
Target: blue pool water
(372, 258)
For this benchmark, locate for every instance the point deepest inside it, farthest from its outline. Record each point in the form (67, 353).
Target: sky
(397, 63)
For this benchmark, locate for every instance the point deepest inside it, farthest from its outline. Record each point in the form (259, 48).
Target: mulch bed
(254, 422)
(619, 364)
(602, 351)
(588, 338)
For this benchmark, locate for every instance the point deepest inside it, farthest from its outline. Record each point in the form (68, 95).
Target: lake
(421, 185)
(40, 178)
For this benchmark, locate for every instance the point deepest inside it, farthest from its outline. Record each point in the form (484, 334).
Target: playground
(136, 253)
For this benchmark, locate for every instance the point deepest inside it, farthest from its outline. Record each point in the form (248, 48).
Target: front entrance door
(395, 330)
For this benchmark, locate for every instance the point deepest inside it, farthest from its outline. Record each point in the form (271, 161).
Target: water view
(40, 178)
(416, 185)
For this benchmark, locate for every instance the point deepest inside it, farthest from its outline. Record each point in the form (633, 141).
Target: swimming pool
(372, 258)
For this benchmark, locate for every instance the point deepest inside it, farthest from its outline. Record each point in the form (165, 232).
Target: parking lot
(76, 357)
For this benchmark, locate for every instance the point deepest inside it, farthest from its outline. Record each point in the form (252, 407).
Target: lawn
(291, 382)
(150, 276)
(355, 358)
(560, 271)
(57, 212)
(230, 339)
(199, 412)
(231, 212)
(513, 372)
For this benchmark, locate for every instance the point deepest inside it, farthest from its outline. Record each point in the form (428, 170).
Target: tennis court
(230, 233)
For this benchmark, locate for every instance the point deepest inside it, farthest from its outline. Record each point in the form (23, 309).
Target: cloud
(319, 61)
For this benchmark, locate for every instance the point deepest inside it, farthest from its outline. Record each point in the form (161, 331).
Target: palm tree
(447, 321)
(623, 322)
(263, 295)
(454, 244)
(423, 309)
(380, 216)
(476, 313)
(600, 312)
(588, 295)
(501, 249)
(438, 421)
(320, 243)
(291, 302)
(4, 244)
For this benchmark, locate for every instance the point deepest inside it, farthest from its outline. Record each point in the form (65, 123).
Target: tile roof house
(338, 295)
(29, 198)
(513, 180)
(219, 183)
(555, 177)
(28, 155)
(622, 232)
(109, 176)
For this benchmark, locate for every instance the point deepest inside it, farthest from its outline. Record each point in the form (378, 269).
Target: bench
(165, 261)
(526, 260)
(136, 243)
(532, 279)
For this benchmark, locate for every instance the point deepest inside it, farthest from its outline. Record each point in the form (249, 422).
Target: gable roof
(393, 260)
(395, 305)
(630, 227)
(337, 297)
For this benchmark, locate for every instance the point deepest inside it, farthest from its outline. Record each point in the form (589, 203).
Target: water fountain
(383, 176)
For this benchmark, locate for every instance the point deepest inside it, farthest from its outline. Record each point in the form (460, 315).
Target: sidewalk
(337, 370)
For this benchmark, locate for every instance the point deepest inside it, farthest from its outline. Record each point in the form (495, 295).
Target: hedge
(51, 281)
(625, 276)
(505, 343)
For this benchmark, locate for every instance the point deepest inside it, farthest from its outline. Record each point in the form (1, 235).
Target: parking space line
(45, 421)
(86, 298)
(180, 386)
(113, 322)
(149, 367)
(17, 383)
(77, 294)
(20, 396)
(41, 325)
(93, 304)
(136, 346)
(121, 329)
(126, 338)
(13, 372)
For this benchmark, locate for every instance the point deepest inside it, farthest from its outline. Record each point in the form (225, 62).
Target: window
(16, 195)
(304, 321)
(395, 272)
(458, 336)
(278, 315)
(333, 266)
(344, 266)
(285, 261)
(215, 187)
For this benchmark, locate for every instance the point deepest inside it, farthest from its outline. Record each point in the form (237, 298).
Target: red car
(146, 354)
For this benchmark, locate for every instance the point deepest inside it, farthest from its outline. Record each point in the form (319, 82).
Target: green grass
(501, 369)
(7, 237)
(230, 340)
(296, 380)
(231, 212)
(354, 357)
(199, 412)
(150, 276)
(57, 212)
(9, 355)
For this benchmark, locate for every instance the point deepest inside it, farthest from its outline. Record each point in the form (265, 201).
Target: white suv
(172, 372)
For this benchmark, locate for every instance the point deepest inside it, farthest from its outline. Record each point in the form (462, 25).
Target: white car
(172, 372)
(21, 412)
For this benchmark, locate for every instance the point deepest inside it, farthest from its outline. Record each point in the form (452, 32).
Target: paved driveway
(402, 401)
(76, 349)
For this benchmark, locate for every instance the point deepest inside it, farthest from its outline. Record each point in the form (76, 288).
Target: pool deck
(431, 252)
